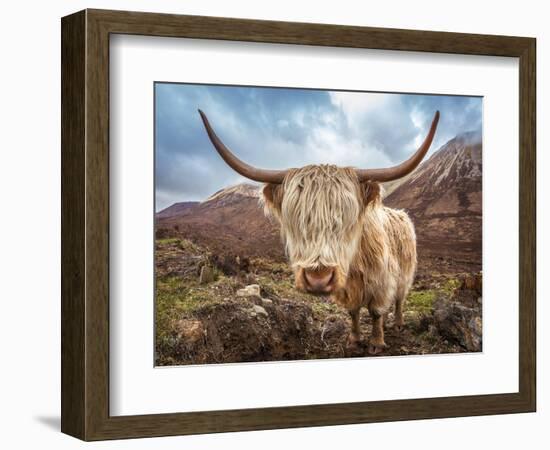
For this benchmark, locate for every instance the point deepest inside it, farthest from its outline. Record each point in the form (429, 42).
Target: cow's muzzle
(320, 280)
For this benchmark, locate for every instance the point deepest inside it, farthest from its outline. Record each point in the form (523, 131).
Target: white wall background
(30, 226)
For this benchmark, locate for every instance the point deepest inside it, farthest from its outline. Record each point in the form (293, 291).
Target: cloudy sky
(277, 128)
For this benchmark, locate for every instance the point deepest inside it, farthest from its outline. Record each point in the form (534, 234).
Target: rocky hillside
(231, 221)
(253, 313)
(177, 210)
(444, 197)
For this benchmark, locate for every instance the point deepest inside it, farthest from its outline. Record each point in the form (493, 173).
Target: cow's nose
(319, 280)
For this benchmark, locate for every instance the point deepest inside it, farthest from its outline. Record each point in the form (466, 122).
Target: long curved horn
(406, 167)
(246, 170)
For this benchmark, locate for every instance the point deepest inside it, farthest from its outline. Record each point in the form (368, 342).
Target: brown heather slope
(444, 199)
(177, 210)
(231, 221)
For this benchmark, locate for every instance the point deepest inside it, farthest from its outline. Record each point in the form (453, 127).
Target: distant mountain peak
(233, 192)
(444, 194)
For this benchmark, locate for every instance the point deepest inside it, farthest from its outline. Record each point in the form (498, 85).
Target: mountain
(230, 221)
(233, 195)
(177, 209)
(444, 197)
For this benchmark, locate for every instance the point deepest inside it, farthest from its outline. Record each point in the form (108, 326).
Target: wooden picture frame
(85, 224)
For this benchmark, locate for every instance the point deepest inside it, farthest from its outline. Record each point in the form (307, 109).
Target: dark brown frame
(85, 224)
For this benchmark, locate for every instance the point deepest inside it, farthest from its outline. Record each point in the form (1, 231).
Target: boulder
(267, 302)
(190, 331)
(458, 323)
(259, 310)
(252, 290)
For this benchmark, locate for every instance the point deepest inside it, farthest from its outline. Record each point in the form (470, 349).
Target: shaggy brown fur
(329, 219)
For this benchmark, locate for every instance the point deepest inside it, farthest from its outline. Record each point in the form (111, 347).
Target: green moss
(450, 285)
(421, 301)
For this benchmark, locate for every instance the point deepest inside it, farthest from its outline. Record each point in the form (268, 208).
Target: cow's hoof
(376, 348)
(354, 341)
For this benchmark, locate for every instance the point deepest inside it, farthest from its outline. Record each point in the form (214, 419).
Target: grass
(451, 285)
(322, 308)
(422, 300)
(182, 244)
(283, 287)
(274, 267)
(177, 298)
(167, 241)
(184, 296)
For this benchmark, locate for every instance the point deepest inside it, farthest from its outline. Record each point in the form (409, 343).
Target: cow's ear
(273, 197)
(372, 192)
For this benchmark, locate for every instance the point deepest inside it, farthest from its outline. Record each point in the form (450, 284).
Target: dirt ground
(206, 314)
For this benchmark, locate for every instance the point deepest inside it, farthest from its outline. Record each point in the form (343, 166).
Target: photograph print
(303, 224)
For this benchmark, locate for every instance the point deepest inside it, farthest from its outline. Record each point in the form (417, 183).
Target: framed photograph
(272, 225)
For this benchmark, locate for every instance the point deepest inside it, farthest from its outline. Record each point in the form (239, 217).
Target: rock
(207, 275)
(476, 325)
(190, 331)
(267, 301)
(333, 328)
(458, 323)
(249, 291)
(472, 282)
(254, 289)
(257, 309)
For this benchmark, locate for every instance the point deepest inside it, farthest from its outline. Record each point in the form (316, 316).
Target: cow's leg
(351, 298)
(399, 322)
(355, 335)
(376, 342)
